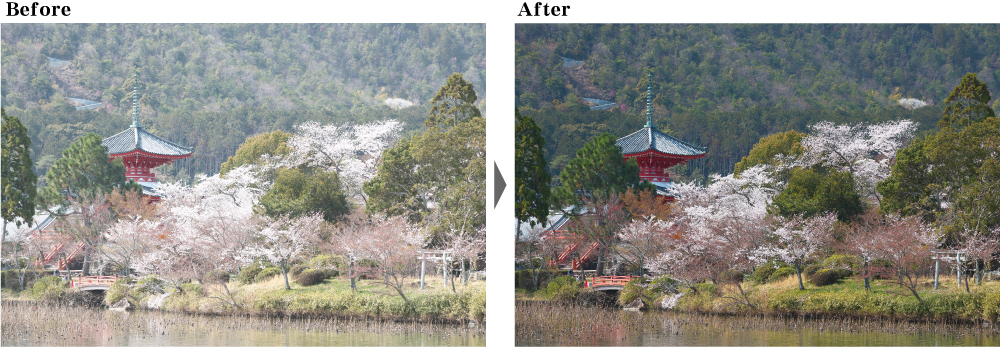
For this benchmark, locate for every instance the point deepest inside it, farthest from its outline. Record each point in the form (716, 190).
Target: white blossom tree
(353, 151)
(282, 239)
(798, 238)
(467, 248)
(980, 248)
(867, 151)
(912, 104)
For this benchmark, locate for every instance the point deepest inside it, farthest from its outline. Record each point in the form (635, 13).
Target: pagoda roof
(650, 138)
(136, 138)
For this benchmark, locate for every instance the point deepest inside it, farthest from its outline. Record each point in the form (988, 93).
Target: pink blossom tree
(467, 248)
(981, 248)
(906, 243)
(391, 243)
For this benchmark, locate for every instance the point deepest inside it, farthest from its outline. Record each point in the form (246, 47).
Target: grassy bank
(844, 298)
(848, 298)
(331, 298)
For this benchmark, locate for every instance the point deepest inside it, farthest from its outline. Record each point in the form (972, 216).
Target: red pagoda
(142, 151)
(655, 151)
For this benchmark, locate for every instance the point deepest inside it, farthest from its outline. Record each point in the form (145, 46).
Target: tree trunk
(868, 286)
(86, 265)
(285, 273)
(600, 265)
(354, 276)
(798, 272)
(452, 283)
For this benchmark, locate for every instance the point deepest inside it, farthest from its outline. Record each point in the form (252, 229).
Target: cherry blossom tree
(906, 243)
(467, 248)
(391, 243)
(644, 239)
(799, 238)
(867, 151)
(203, 228)
(353, 151)
(981, 248)
(282, 239)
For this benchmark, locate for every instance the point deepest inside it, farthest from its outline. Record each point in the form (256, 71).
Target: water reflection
(555, 324)
(33, 325)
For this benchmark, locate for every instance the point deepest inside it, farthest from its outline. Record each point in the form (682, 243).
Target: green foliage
(780, 274)
(827, 277)
(762, 273)
(302, 191)
(843, 261)
(312, 277)
(327, 261)
(84, 171)
(564, 288)
(119, 290)
(266, 274)
(443, 166)
(788, 144)
(731, 276)
(10, 278)
(217, 276)
(297, 269)
(968, 103)
(50, 288)
(18, 179)
(248, 274)
(273, 144)
(454, 103)
(524, 278)
(599, 169)
(811, 269)
(809, 193)
(531, 177)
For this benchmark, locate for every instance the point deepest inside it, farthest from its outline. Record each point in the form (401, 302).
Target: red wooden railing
(616, 281)
(96, 281)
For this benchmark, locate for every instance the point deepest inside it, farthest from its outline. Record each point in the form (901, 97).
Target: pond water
(555, 324)
(29, 324)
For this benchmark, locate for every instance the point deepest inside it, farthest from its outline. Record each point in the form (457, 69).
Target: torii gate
(444, 256)
(957, 256)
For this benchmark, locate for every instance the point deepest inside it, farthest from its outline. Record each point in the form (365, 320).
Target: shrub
(842, 261)
(311, 277)
(828, 276)
(327, 261)
(638, 288)
(297, 269)
(564, 288)
(9, 279)
(811, 269)
(665, 284)
(118, 290)
(731, 276)
(780, 274)
(248, 273)
(762, 274)
(82, 298)
(50, 288)
(266, 274)
(217, 276)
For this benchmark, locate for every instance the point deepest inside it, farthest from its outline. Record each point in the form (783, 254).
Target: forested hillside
(726, 86)
(211, 86)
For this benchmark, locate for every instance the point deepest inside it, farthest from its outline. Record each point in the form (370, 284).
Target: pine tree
(84, 171)
(18, 180)
(454, 103)
(531, 177)
(968, 103)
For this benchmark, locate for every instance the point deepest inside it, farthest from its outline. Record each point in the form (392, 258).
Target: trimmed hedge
(310, 277)
(780, 274)
(248, 274)
(827, 277)
(266, 274)
(297, 269)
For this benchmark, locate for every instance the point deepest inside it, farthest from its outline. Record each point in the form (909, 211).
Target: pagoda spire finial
(135, 101)
(649, 102)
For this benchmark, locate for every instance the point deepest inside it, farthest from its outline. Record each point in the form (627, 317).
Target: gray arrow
(498, 184)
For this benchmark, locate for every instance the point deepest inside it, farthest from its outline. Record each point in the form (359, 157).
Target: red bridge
(610, 282)
(95, 282)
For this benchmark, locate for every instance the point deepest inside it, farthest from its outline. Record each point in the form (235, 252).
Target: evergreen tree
(18, 179)
(454, 103)
(84, 171)
(968, 103)
(301, 192)
(599, 169)
(531, 178)
(810, 193)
